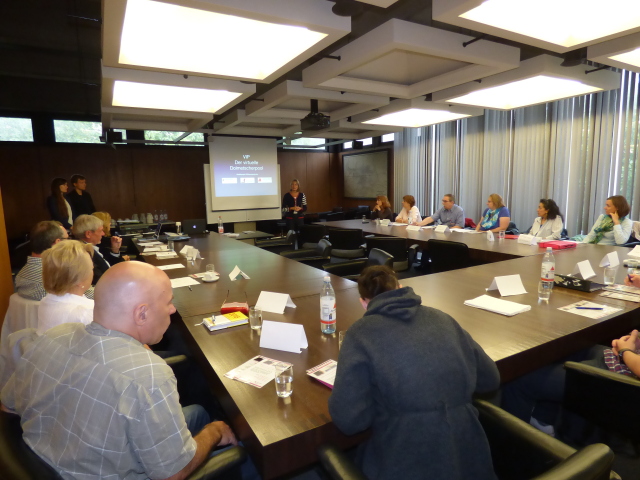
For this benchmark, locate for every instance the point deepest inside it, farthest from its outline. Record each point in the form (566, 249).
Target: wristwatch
(621, 354)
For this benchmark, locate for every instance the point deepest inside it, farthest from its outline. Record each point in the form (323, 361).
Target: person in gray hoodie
(408, 372)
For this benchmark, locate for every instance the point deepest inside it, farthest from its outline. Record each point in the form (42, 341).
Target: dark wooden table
(282, 435)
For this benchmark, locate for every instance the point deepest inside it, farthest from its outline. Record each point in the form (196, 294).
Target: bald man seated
(95, 403)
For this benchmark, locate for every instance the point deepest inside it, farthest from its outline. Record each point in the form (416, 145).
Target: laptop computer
(197, 225)
(168, 236)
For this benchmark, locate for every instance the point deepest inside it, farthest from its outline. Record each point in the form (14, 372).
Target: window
(367, 141)
(170, 137)
(305, 143)
(123, 131)
(68, 131)
(15, 130)
(347, 145)
(388, 137)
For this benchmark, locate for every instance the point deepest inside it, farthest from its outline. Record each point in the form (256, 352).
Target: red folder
(558, 244)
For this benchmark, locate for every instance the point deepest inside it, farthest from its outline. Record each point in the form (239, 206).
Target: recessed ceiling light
(145, 95)
(537, 80)
(567, 24)
(173, 37)
(415, 113)
(623, 52)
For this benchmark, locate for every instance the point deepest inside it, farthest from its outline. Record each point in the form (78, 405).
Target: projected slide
(244, 173)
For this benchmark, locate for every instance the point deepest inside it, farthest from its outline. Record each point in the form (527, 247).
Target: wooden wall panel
(6, 282)
(314, 171)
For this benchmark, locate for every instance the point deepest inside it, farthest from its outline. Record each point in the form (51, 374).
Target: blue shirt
(504, 212)
(450, 218)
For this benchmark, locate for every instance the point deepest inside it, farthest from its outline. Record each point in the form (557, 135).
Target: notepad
(497, 305)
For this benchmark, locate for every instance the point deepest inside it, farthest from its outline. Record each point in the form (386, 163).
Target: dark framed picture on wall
(365, 174)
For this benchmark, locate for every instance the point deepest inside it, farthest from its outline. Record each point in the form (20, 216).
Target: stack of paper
(497, 305)
(325, 373)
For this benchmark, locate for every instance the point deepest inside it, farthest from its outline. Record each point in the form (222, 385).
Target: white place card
(183, 282)
(185, 249)
(236, 272)
(194, 254)
(288, 337)
(610, 260)
(413, 228)
(635, 252)
(171, 267)
(441, 229)
(584, 269)
(527, 239)
(428, 227)
(490, 236)
(508, 285)
(154, 249)
(274, 302)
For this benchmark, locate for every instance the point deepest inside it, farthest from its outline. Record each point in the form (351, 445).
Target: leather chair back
(347, 243)
(310, 235)
(380, 257)
(396, 247)
(447, 255)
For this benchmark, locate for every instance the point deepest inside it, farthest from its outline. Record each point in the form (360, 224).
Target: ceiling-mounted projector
(315, 120)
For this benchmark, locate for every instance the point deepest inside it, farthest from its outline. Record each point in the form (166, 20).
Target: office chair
(346, 244)
(352, 269)
(518, 451)
(512, 229)
(310, 235)
(290, 240)
(447, 255)
(314, 257)
(402, 256)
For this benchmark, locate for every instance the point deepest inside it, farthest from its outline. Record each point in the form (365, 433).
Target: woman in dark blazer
(294, 204)
(57, 204)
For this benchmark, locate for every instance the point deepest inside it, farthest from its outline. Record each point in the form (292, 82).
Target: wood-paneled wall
(133, 179)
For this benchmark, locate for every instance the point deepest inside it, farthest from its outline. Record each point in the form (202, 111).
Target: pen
(589, 308)
(190, 287)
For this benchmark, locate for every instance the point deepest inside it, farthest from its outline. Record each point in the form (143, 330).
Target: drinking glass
(544, 290)
(255, 318)
(610, 275)
(284, 380)
(210, 272)
(341, 335)
(501, 234)
(171, 245)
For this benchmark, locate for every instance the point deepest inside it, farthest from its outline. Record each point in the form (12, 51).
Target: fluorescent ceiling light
(630, 58)
(146, 95)
(623, 52)
(562, 22)
(530, 91)
(538, 80)
(167, 36)
(415, 117)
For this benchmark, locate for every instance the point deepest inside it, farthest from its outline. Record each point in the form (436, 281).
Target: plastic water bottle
(327, 307)
(548, 268)
(220, 225)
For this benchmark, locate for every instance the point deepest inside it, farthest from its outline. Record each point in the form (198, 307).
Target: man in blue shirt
(450, 214)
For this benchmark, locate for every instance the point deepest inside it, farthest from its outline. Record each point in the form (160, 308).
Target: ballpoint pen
(190, 287)
(589, 308)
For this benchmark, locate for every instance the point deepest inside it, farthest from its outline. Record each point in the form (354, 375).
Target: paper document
(497, 305)
(464, 230)
(635, 252)
(599, 312)
(627, 297)
(413, 228)
(584, 269)
(183, 282)
(149, 244)
(325, 373)
(508, 285)
(163, 255)
(274, 302)
(257, 372)
(288, 337)
(171, 267)
(610, 260)
(155, 249)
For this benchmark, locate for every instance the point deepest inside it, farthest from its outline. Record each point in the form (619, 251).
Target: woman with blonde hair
(106, 246)
(496, 216)
(67, 271)
(294, 204)
(382, 209)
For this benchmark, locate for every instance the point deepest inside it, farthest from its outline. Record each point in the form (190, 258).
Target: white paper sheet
(497, 305)
(155, 249)
(635, 252)
(508, 285)
(165, 255)
(149, 244)
(610, 260)
(237, 272)
(584, 269)
(274, 302)
(171, 266)
(288, 337)
(258, 371)
(413, 228)
(605, 309)
(183, 282)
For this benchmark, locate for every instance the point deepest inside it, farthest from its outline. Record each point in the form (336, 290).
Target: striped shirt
(96, 404)
(29, 281)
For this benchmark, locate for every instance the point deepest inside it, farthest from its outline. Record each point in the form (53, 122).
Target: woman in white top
(409, 213)
(67, 271)
(614, 227)
(549, 223)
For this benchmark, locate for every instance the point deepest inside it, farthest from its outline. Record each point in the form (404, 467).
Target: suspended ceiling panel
(405, 60)
(238, 123)
(623, 52)
(346, 130)
(265, 38)
(556, 25)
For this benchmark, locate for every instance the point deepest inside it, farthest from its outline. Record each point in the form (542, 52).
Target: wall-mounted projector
(315, 120)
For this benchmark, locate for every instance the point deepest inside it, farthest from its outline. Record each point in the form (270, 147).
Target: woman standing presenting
(549, 223)
(59, 208)
(408, 372)
(382, 209)
(294, 204)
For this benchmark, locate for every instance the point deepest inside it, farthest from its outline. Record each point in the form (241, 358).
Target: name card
(527, 239)
(508, 285)
(584, 269)
(236, 272)
(441, 229)
(288, 337)
(635, 253)
(610, 260)
(490, 236)
(413, 228)
(185, 250)
(274, 302)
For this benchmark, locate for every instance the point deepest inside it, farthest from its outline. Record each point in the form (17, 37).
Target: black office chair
(18, 461)
(346, 244)
(512, 229)
(310, 235)
(314, 257)
(402, 256)
(289, 242)
(447, 255)
(519, 452)
(352, 269)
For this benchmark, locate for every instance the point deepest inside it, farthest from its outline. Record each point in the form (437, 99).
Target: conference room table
(282, 435)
